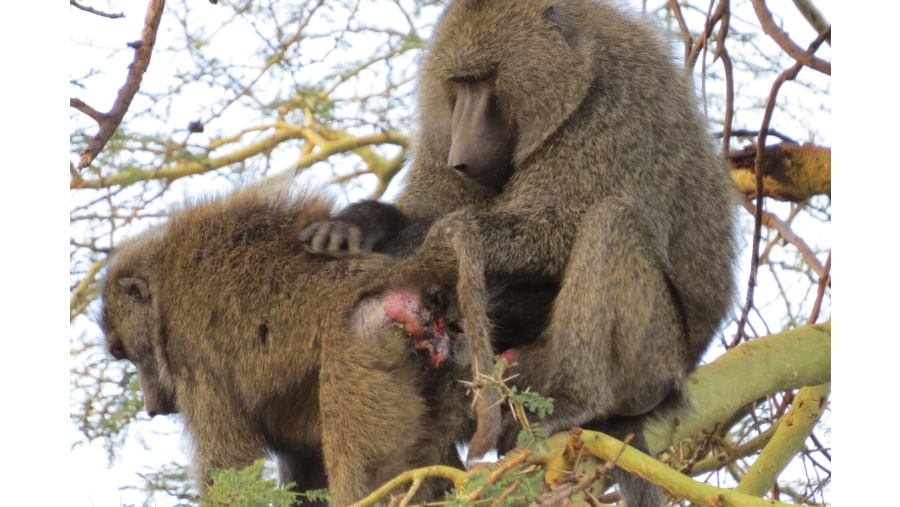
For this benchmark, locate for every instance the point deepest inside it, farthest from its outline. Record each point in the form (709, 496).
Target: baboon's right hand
(336, 237)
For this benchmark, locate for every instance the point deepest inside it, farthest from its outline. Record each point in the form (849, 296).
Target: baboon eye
(474, 78)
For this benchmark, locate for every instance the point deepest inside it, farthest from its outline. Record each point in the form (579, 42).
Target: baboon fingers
(333, 237)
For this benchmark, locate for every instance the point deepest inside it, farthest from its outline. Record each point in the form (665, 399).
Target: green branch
(792, 431)
(775, 363)
(281, 134)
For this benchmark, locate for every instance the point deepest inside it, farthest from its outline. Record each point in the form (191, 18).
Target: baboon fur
(262, 346)
(607, 188)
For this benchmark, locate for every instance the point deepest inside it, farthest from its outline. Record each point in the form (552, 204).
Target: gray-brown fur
(614, 194)
(262, 346)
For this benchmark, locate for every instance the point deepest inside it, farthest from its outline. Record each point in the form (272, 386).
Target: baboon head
(500, 77)
(131, 323)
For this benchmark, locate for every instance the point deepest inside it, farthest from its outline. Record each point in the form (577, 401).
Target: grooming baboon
(561, 136)
(263, 346)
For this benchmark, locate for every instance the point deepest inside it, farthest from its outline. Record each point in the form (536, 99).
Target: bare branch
(787, 234)
(788, 45)
(86, 109)
(142, 51)
(92, 10)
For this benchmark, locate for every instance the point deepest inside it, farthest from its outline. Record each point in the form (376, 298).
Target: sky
(35, 379)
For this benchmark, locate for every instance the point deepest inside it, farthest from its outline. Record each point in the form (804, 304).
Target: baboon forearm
(525, 246)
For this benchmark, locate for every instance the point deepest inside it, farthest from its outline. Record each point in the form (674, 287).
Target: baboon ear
(563, 22)
(137, 288)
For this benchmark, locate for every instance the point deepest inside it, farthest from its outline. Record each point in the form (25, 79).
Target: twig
(92, 10)
(824, 281)
(787, 234)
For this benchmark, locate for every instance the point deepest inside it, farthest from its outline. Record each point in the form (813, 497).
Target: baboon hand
(361, 227)
(337, 237)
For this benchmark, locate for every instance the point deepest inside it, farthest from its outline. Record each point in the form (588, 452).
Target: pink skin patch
(427, 330)
(439, 347)
(511, 355)
(405, 306)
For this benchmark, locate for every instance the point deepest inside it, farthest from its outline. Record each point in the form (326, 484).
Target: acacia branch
(80, 105)
(790, 173)
(712, 19)
(791, 360)
(677, 484)
(793, 430)
(414, 478)
(85, 292)
(191, 167)
(788, 45)
(728, 455)
(110, 121)
(686, 37)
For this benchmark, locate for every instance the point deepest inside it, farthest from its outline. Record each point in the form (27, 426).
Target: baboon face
(131, 328)
(510, 73)
(482, 140)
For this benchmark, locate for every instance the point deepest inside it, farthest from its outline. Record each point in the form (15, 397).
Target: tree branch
(787, 234)
(813, 16)
(92, 10)
(111, 120)
(201, 165)
(782, 39)
(677, 484)
(791, 360)
(793, 429)
(790, 172)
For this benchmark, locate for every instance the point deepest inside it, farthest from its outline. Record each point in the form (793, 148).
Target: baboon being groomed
(262, 346)
(561, 137)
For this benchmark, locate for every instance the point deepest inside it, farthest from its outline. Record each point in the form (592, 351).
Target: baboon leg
(615, 335)
(636, 491)
(374, 416)
(371, 423)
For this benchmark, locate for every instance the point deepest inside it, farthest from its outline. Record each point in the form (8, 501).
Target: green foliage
(522, 401)
(517, 487)
(532, 401)
(536, 435)
(246, 488)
